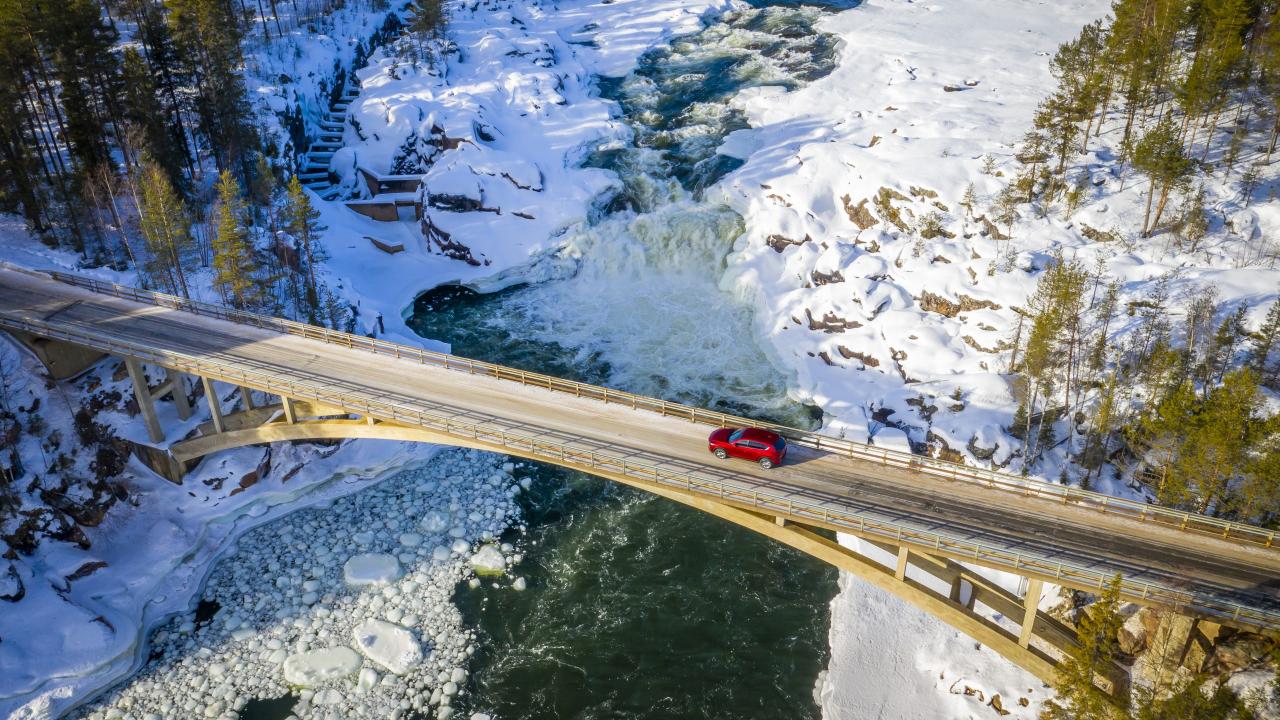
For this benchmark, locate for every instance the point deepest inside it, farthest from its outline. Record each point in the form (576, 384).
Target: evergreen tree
(303, 223)
(166, 230)
(1265, 344)
(235, 270)
(143, 110)
(207, 35)
(1159, 155)
(1078, 696)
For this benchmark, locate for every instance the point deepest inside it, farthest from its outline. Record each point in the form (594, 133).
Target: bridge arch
(1035, 644)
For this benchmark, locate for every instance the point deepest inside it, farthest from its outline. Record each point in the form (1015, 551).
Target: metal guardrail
(1139, 511)
(857, 523)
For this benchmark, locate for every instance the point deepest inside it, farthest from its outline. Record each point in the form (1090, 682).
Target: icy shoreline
(178, 557)
(373, 570)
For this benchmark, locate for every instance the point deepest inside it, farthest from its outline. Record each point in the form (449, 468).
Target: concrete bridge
(928, 516)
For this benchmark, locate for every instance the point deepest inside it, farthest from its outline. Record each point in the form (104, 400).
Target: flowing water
(637, 607)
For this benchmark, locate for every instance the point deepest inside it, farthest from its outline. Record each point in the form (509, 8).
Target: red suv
(762, 446)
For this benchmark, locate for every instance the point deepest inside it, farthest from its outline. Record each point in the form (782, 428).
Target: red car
(762, 446)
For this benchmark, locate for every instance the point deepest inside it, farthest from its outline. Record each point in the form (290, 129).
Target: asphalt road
(1207, 566)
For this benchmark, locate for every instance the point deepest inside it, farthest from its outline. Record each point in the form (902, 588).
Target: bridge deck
(1214, 570)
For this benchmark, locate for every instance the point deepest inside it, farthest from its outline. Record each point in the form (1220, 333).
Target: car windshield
(733, 436)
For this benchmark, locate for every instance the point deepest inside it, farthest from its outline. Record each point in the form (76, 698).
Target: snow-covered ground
(92, 608)
(923, 93)
(506, 124)
(518, 93)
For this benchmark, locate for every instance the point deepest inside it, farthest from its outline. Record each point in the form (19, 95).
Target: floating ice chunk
(488, 561)
(440, 553)
(436, 521)
(460, 546)
(388, 645)
(525, 483)
(328, 696)
(371, 569)
(410, 539)
(457, 531)
(368, 678)
(314, 667)
(519, 584)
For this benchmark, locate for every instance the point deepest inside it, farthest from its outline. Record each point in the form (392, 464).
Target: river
(638, 607)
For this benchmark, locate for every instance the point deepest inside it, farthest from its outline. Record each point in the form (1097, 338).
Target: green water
(639, 607)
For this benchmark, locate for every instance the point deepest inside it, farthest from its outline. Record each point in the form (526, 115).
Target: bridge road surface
(1249, 576)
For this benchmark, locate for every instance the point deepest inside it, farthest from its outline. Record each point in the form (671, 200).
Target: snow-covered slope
(502, 122)
(891, 332)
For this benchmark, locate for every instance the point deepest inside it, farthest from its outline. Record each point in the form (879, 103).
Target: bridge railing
(1134, 510)
(773, 502)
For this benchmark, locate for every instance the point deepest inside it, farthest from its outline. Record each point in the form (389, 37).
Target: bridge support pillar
(780, 521)
(1031, 605)
(290, 413)
(146, 402)
(178, 381)
(246, 396)
(904, 556)
(215, 405)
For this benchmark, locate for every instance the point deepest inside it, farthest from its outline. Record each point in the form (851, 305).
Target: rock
(314, 667)
(1132, 636)
(371, 569)
(1240, 652)
(389, 645)
(488, 561)
(11, 587)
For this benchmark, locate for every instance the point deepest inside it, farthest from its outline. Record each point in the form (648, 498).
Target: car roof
(758, 434)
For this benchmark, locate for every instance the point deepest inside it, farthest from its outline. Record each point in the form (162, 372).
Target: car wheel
(720, 453)
(766, 463)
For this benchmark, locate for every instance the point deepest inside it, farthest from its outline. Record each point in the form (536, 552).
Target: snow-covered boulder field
(332, 604)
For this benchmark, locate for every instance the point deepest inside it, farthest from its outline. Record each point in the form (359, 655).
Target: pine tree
(1265, 344)
(166, 230)
(207, 35)
(1078, 696)
(143, 110)
(427, 19)
(1159, 155)
(235, 269)
(303, 223)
